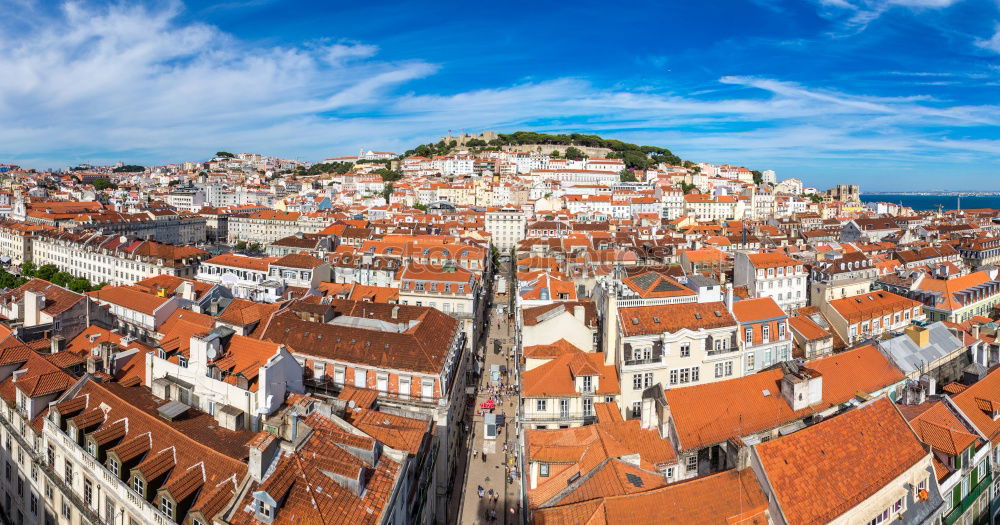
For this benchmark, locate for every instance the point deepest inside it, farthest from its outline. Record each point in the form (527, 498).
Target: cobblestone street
(491, 462)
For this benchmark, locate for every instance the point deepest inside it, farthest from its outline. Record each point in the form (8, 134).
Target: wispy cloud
(855, 15)
(137, 84)
(992, 43)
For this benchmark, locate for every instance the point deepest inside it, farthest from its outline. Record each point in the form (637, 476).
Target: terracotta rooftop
(820, 472)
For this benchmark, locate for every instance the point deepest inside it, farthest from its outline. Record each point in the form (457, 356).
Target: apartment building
(241, 274)
(870, 315)
(886, 475)
(160, 225)
(268, 226)
(711, 432)
(980, 405)
(844, 276)
(117, 260)
(239, 380)
(706, 208)
(948, 298)
(979, 252)
(773, 275)
(962, 459)
(671, 346)
(763, 333)
(412, 358)
(38, 307)
(507, 226)
(561, 386)
(137, 313)
(15, 241)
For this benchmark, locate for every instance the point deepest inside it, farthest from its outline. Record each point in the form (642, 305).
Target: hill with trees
(633, 155)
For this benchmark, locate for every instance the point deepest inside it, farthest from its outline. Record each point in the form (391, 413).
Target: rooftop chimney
(920, 335)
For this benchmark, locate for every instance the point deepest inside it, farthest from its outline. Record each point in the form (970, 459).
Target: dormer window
(92, 448)
(113, 467)
(167, 507)
(587, 383)
(162, 354)
(139, 486)
(264, 509)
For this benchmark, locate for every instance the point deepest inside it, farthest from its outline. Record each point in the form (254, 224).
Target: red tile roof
(818, 473)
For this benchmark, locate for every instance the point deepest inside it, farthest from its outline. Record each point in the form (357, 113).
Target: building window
(765, 333)
(167, 507)
(263, 509)
(692, 463)
(685, 349)
(113, 467)
(647, 380)
(673, 377)
(541, 405)
(750, 362)
(588, 383)
(637, 382)
(543, 470)
(139, 486)
(748, 335)
(718, 369)
(68, 471)
(88, 492)
(636, 409)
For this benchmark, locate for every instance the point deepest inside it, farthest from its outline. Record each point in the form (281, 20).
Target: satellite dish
(212, 354)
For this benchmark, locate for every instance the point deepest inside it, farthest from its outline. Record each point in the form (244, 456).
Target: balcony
(724, 351)
(644, 361)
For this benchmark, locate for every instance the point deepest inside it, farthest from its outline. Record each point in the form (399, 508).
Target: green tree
(79, 285)
(758, 177)
(61, 278)
(387, 192)
(573, 153)
(28, 269)
(102, 184)
(816, 199)
(241, 245)
(419, 206)
(627, 176)
(129, 168)
(388, 175)
(224, 154)
(46, 271)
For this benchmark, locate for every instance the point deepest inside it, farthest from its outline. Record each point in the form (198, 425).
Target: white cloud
(136, 84)
(992, 43)
(857, 14)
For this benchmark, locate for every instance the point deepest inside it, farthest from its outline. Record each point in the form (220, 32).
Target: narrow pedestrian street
(490, 489)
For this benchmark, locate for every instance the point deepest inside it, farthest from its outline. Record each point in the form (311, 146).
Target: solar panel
(633, 479)
(645, 280)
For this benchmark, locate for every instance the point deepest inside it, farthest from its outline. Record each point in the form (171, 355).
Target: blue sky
(890, 94)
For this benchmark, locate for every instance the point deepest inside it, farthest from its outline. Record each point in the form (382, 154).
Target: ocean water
(931, 202)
